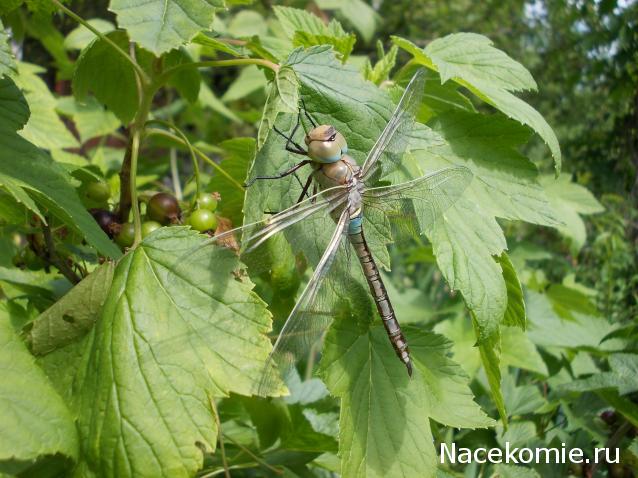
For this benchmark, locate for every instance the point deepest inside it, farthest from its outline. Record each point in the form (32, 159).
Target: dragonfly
(344, 194)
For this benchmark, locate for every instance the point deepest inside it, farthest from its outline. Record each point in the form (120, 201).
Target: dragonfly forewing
(389, 148)
(415, 205)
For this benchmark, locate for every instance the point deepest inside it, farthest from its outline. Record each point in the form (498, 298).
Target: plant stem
(190, 148)
(177, 187)
(199, 153)
(220, 438)
(54, 259)
(161, 79)
(135, 207)
(138, 69)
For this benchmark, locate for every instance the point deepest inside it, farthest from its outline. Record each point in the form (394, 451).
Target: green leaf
(187, 80)
(250, 79)
(490, 352)
(517, 350)
(208, 40)
(168, 341)
(32, 177)
(283, 97)
(471, 61)
(570, 200)
(382, 68)
(105, 73)
(35, 419)
(15, 110)
(161, 25)
(306, 29)
(548, 329)
(515, 312)
(465, 240)
(239, 153)
(567, 301)
(622, 377)
(357, 12)
(90, 117)
(44, 127)
(471, 57)
(80, 37)
(208, 99)
(247, 23)
(7, 61)
(384, 426)
(505, 184)
(72, 316)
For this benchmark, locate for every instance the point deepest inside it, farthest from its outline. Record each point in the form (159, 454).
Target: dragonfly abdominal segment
(380, 295)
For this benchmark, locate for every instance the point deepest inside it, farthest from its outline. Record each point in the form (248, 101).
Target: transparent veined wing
(316, 228)
(307, 320)
(413, 207)
(393, 141)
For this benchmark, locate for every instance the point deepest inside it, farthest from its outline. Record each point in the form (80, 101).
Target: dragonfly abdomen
(381, 299)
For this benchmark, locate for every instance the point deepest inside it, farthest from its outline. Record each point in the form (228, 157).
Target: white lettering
(446, 451)
(509, 453)
(576, 455)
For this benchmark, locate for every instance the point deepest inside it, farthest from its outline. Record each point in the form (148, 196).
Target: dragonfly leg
(291, 144)
(304, 193)
(305, 110)
(304, 190)
(280, 175)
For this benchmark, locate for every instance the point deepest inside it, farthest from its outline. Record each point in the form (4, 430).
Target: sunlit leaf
(80, 37)
(168, 341)
(35, 420)
(470, 60)
(44, 127)
(384, 428)
(161, 25)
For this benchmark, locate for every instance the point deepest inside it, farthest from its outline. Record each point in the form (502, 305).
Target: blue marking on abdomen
(355, 224)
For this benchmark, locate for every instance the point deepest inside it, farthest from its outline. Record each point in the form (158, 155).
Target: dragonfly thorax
(338, 173)
(325, 144)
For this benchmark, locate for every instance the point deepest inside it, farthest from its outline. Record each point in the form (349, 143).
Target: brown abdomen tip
(408, 365)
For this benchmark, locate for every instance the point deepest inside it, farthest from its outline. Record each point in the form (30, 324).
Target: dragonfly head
(325, 144)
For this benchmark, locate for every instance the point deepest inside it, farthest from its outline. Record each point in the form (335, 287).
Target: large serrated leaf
(105, 73)
(472, 57)
(306, 29)
(471, 61)
(169, 340)
(35, 420)
(161, 25)
(384, 428)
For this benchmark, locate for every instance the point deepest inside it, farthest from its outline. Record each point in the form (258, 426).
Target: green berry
(97, 191)
(126, 236)
(203, 220)
(149, 226)
(207, 201)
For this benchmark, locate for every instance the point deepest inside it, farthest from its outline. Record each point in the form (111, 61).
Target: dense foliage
(132, 347)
